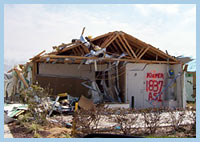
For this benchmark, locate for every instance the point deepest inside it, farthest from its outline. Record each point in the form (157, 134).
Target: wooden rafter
(136, 52)
(69, 48)
(111, 40)
(81, 50)
(140, 51)
(73, 50)
(113, 50)
(101, 36)
(143, 44)
(124, 46)
(65, 45)
(85, 49)
(143, 52)
(104, 59)
(113, 44)
(135, 40)
(103, 45)
(76, 49)
(154, 53)
(116, 40)
(133, 53)
(162, 53)
(38, 55)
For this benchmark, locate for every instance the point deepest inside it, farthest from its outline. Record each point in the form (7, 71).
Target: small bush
(151, 117)
(37, 99)
(87, 121)
(125, 119)
(177, 117)
(192, 117)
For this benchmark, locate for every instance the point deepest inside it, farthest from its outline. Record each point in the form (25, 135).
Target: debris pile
(112, 70)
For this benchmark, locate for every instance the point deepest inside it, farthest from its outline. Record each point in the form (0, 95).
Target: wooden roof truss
(115, 43)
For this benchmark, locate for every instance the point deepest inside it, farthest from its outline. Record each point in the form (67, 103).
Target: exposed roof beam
(102, 36)
(108, 41)
(143, 52)
(124, 46)
(128, 45)
(116, 40)
(43, 58)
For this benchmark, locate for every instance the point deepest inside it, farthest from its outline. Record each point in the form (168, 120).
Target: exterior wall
(67, 70)
(62, 85)
(149, 85)
(66, 77)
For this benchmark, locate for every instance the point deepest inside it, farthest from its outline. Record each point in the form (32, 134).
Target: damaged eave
(66, 58)
(143, 44)
(37, 56)
(116, 42)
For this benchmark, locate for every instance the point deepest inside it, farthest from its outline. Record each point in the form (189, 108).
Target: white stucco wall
(69, 70)
(146, 81)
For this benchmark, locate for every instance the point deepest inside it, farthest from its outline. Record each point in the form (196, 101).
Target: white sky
(29, 29)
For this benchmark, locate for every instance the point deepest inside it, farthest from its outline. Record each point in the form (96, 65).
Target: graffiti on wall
(154, 86)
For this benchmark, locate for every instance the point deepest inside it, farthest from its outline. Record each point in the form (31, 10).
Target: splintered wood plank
(65, 45)
(21, 77)
(143, 52)
(69, 48)
(38, 55)
(133, 53)
(124, 46)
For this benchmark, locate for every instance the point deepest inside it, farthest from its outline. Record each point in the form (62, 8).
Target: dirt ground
(53, 131)
(56, 130)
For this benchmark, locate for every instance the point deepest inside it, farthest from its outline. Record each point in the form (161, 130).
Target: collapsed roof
(113, 44)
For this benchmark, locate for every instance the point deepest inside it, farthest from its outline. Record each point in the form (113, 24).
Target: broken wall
(66, 77)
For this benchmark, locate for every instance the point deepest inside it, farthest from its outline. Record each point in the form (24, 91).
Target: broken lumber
(38, 55)
(21, 77)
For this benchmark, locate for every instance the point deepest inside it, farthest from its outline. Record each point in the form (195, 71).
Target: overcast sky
(29, 29)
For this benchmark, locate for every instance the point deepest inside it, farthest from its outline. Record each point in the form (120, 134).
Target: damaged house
(112, 68)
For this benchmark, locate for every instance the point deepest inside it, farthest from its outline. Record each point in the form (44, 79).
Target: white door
(135, 88)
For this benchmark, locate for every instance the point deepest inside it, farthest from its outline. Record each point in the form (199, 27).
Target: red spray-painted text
(154, 85)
